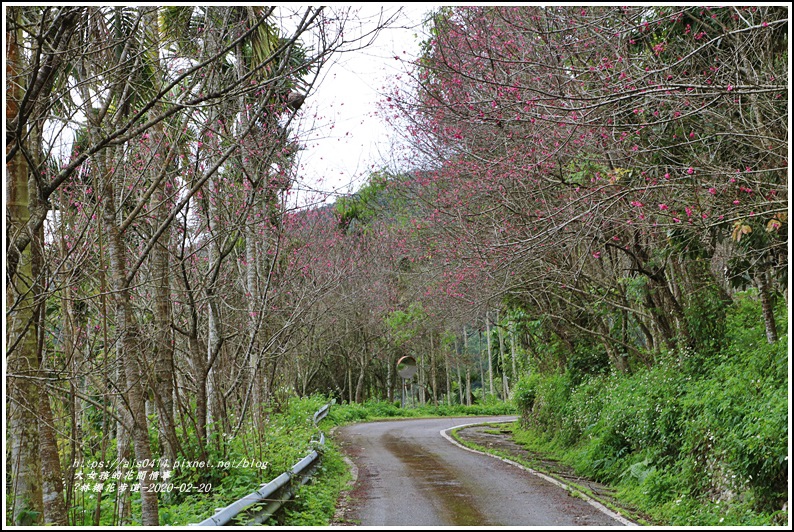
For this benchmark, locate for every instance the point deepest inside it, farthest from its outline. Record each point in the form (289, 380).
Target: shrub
(525, 392)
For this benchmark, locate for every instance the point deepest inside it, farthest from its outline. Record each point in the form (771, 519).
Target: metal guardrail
(276, 492)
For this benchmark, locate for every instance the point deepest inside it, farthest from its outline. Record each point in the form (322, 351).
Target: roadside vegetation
(696, 439)
(235, 466)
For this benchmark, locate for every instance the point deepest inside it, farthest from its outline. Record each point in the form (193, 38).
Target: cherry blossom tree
(567, 147)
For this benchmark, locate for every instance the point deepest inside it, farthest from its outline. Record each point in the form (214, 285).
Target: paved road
(410, 475)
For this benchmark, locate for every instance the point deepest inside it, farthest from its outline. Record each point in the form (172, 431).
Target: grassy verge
(315, 501)
(666, 504)
(250, 460)
(371, 411)
(699, 438)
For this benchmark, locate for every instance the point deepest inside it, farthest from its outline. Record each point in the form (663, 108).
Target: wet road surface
(410, 475)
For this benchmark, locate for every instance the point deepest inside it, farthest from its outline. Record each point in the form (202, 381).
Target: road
(409, 474)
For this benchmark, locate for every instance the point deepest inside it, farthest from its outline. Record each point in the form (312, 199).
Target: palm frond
(181, 26)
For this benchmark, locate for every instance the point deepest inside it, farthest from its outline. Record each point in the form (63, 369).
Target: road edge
(340, 516)
(567, 487)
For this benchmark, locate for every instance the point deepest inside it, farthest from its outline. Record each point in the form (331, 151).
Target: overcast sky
(347, 140)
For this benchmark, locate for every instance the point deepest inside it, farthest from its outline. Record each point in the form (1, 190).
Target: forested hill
(592, 225)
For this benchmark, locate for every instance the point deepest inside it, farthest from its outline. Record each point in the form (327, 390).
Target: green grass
(285, 441)
(315, 502)
(377, 410)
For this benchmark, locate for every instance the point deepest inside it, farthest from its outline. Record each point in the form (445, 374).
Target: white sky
(347, 141)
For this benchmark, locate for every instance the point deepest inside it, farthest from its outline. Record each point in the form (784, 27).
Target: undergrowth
(372, 410)
(692, 440)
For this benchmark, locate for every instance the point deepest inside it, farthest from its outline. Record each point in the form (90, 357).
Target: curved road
(409, 474)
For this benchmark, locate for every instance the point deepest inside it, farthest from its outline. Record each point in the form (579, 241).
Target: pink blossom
(690, 170)
(712, 191)
(663, 206)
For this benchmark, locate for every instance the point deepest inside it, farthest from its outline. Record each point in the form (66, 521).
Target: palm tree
(33, 63)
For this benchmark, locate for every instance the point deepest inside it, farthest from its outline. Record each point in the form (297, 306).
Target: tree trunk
(767, 307)
(52, 481)
(160, 206)
(460, 381)
(252, 287)
(389, 379)
(422, 380)
(22, 327)
(164, 362)
(350, 391)
(360, 382)
(132, 362)
(433, 372)
(490, 355)
(513, 351)
(502, 359)
(202, 410)
(447, 374)
(213, 335)
(124, 503)
(468, 387)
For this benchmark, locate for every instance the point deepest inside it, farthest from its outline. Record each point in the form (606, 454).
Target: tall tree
(22, 331)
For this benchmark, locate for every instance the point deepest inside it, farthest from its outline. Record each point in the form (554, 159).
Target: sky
(346, 139)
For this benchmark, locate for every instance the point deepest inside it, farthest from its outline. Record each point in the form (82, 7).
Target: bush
(525, 392)
(551, 405)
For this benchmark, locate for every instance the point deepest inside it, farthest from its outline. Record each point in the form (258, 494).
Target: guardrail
(276, 492)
